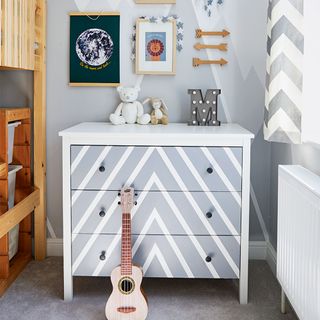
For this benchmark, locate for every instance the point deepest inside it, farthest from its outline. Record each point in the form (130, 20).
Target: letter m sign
(204, 112)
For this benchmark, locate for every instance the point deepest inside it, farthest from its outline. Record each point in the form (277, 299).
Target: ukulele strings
(129, 252)
(126, 299)
(127, 262)
(129, 235)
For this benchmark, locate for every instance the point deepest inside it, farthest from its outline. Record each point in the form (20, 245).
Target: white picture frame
(156, 47)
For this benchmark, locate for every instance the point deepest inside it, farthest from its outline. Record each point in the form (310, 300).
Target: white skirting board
(258, 250)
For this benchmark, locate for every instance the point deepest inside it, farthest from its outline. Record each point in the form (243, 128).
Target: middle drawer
(158, 212)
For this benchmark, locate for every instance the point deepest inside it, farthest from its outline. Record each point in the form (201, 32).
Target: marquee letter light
(204, 112)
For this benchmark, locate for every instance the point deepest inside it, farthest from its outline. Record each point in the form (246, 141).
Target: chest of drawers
(191, 219)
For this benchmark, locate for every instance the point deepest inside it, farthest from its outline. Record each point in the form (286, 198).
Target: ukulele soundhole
(126, 285)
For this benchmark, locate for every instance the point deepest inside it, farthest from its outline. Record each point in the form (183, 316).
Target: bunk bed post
(29, 197)
(40, 239)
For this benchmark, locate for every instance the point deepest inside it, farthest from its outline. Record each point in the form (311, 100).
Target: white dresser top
(172, 134)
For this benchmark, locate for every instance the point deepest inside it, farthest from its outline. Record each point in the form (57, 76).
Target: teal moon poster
(94, 49)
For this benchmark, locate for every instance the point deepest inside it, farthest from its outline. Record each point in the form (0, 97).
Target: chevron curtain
(284, 80)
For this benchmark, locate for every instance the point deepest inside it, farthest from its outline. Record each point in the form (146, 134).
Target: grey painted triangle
(156, 265)
(260, 161)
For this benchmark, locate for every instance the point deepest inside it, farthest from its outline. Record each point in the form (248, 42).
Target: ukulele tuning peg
(135, 203)
(119, 203)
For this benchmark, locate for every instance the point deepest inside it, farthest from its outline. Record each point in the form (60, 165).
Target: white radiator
(298, 253)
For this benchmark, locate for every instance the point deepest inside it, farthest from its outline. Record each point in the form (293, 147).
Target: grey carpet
(37, 295)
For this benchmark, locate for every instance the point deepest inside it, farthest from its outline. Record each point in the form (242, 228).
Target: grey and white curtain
(283, 105)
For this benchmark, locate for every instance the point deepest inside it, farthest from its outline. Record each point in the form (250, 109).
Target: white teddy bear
(129, 110)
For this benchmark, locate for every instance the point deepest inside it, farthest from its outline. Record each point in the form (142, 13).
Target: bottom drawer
(159, 255)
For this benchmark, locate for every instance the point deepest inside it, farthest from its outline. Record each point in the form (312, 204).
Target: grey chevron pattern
(161, 256)
(195, 216)
(135, 165)
(179, 202)
(284, 79)
(283, 63)
(284, 25)
(287, 105)
(298, 4)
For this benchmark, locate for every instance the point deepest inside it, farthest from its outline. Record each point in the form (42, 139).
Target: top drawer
(156, 168)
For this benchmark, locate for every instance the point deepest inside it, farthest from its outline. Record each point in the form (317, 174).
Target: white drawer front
(176, 213)
(156, 168)
(160, 256)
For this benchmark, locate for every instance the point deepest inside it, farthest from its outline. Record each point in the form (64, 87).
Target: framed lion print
(156, 47)
(94, 49)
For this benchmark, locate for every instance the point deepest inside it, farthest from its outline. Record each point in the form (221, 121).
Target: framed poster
(156, 47)
(94, 49)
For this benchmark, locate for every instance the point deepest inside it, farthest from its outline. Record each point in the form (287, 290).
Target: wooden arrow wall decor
(196, 62)
(221, 46)
(224, 33)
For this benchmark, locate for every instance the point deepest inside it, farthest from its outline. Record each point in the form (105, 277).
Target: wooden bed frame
(23, 26)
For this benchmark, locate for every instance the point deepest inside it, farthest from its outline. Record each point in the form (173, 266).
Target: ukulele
(127, 301)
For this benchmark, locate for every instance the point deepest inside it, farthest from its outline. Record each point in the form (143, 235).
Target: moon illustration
(94, 47)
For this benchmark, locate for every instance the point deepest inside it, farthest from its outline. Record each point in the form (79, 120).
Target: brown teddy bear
(159, 114)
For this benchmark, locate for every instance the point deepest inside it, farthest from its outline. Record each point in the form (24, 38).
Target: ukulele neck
(126, 252)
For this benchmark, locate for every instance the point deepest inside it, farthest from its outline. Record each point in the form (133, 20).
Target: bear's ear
(119, 89)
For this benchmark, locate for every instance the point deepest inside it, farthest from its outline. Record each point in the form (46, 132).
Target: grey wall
(241, 81)
(305, 155)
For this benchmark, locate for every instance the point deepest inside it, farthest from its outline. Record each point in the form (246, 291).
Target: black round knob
(102, 213)
(102, 256)
(102, 169)
(208, 259)
(119, 194)
(210, 170)
(119, 203)
(135, 203)
(209, 215)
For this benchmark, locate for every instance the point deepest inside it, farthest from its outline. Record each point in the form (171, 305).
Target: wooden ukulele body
(130, 303)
